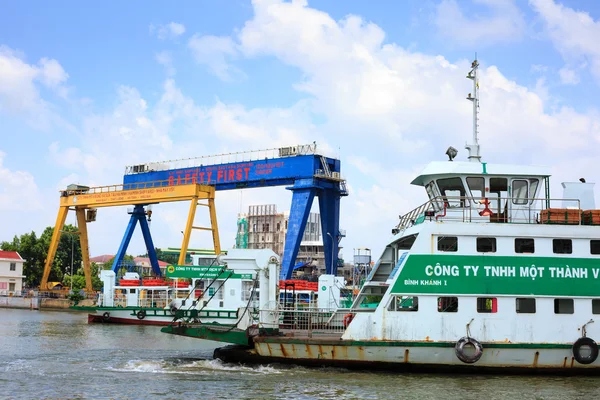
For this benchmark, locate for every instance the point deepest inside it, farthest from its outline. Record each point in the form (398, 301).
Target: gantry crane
(309, 173)
(85, 200)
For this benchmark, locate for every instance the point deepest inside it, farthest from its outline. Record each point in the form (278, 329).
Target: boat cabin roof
(439, 169)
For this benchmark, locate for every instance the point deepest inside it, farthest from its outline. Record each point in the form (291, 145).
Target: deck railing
(499, 209)
(314, 321)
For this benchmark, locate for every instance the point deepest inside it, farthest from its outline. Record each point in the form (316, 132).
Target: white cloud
(164, 58)
(18, 191)
(167, 31)
(19, 92)
(389, 109)
(574, 33)
(215, 52)
(503, 23)
(568, 76)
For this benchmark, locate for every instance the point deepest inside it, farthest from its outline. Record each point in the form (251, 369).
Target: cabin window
(524, 245)
(447, 304)
(447, 243)
(525, 305)
(595, 306)
(132, 291)
(533, 185)
(562, 246)
(477, 187)
(498, 195)
(594, 246)
(453, 191)
(487, 305)
(519, 191)
(563, 306)
(404, 303)
(434, 195)
(486, 244)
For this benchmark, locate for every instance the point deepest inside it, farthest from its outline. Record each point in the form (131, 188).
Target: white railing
(499, 209)
(225, 158)
(314, 321)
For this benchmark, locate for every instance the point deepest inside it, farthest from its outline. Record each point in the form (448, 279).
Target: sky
(88, 88)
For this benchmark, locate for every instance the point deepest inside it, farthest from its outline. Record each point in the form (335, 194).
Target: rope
(247, 305)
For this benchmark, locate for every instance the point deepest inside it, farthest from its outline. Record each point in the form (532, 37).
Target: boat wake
(195, 367)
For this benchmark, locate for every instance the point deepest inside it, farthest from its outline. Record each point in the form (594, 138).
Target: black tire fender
(585, 342)
(106, 316)
(141, 314)
(459, 349)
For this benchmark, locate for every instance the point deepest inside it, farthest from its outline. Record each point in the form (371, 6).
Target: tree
(34, 251)
(168, 258)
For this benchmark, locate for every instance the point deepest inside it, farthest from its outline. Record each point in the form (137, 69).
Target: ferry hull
(418, 356)
(129, 320)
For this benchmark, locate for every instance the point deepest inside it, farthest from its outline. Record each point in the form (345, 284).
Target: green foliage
(34, 251)
(76, 297)
(168, 258)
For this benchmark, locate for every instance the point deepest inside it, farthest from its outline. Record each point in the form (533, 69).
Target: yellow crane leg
(215, 227)
(85, 250)
(60, 222)
(188, 231)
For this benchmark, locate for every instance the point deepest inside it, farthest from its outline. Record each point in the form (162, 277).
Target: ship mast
(474, 98)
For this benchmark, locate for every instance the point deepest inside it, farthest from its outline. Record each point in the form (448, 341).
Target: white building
(11, 272)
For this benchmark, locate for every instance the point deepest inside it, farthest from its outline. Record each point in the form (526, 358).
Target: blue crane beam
(310, 175)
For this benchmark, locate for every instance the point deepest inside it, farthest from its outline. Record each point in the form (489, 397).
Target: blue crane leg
(301, 203)
(149, 245)
(126, 238)
(329, 206)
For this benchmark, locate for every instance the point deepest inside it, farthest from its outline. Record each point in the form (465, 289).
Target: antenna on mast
(474, 97)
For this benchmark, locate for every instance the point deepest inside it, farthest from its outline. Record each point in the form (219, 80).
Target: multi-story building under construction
(263, 227)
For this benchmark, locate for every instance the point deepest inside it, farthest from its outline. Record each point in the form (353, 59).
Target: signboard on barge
(201, 272)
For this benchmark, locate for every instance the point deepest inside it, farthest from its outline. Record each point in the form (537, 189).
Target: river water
(57, 355)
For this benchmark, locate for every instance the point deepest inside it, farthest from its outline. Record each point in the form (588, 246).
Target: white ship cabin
(478, 192)
(480, 209)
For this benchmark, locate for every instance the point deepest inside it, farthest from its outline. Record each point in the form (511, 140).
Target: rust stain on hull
(406, 356)
(535, 359)
(283, 351)
(565, 363)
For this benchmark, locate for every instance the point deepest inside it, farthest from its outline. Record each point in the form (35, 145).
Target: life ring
(347, 319)
(106, 317)
(585, 358)
(141, 314)
(460, 350)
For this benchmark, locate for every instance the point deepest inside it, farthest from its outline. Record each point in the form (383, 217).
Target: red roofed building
(11, 272)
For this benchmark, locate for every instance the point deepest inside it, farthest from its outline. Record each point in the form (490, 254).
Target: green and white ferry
(490, 274)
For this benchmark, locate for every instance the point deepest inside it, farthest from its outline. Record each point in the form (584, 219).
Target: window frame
(519, 200)
(494, 246)
(524, 300)
(594, 243)
(441, 238)
(557, 305)
(452, 307)
(484, 309)
(569, 247)
(520, 247)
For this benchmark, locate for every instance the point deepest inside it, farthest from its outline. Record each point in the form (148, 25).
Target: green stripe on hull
(499, 275)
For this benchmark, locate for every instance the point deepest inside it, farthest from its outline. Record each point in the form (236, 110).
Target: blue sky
(86, 89)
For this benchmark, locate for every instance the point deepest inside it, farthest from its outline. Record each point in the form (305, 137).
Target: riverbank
(40, 303)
